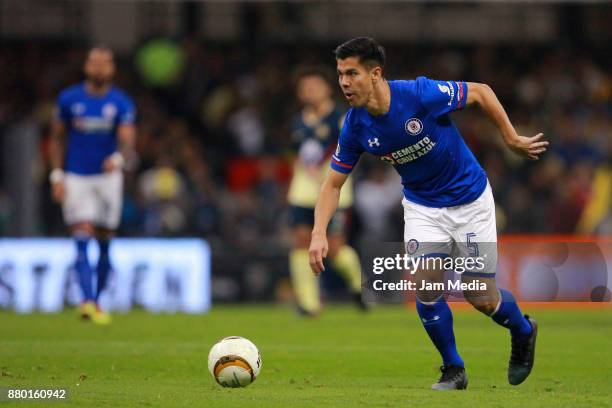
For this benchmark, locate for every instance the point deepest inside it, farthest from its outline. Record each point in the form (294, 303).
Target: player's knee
(482, 303)
(82, 228)
(429, 296)
(104, 234)
(336, 242)
(429, 288)
(429, 283)
(301, 237)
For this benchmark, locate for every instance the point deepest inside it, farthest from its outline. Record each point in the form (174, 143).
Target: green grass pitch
(343, 358)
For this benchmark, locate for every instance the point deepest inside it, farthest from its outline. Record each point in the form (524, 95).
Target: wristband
(117, 159)
(56, 176)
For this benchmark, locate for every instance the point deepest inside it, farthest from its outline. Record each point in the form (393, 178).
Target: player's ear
(376, 73)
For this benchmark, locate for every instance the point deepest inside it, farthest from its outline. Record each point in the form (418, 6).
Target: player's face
(355, 80)
(313, 90)
(99, 67)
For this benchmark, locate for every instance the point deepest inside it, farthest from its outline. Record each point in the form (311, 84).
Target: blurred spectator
(164, 199)
(212, 143)
(376, 196)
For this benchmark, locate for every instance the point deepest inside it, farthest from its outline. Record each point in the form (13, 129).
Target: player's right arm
(327, 203)
(342, 163)
(529, 147)
(57, 148)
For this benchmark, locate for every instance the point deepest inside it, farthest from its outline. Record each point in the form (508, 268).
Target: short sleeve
(348, 150)
(127, 112)
(62, 109)
(441, 97)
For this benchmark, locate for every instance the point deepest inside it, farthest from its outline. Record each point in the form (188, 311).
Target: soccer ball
(234, 362)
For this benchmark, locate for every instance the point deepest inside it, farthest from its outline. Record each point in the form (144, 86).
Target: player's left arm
(482, 95)
(126, 135)
(126, 140)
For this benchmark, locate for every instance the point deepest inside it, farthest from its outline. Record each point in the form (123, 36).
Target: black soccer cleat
(360, 303)
(305, 313)
(453, 378)
(523, 355)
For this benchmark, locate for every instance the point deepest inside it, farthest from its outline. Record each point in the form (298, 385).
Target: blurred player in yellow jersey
(315, 131)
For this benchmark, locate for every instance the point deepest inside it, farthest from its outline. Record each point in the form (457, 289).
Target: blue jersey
(419, 139)
(91, 122)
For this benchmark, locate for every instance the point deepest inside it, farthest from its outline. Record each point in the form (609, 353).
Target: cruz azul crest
(413, 126)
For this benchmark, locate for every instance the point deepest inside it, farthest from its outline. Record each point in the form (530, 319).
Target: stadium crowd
(214, 141)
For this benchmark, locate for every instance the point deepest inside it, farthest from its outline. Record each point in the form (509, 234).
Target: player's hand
(113, 162)
(317, 251)
(58, 191)
(108, 165)
(529, 147)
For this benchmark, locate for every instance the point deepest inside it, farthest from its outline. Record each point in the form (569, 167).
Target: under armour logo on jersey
(373, 142)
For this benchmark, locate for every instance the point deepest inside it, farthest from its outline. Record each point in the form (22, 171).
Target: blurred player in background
(449, 210)
(86, 176)
(315, 131)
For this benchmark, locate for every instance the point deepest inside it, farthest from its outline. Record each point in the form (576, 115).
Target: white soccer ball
(234, 362)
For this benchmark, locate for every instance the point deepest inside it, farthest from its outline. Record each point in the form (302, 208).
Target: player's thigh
(79, 205)
(301, 220)
(335, 241)
(109, 191)
(424, 232)
(429, 277)
(476, 236)
(428, 242)
(301, 236)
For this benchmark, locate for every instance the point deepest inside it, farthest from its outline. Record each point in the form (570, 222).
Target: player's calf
(82, 236)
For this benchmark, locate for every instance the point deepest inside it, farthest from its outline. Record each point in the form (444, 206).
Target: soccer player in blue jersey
(448, 204)
(86, 176)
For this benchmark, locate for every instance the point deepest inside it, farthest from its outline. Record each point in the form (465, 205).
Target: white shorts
(467, 230)
(96, 199)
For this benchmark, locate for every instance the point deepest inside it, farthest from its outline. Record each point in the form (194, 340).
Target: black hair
(369, 52)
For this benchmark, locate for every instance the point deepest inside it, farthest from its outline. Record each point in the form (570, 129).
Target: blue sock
(509, 315)
(438, 322)
(103, 268)
(82, 267)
